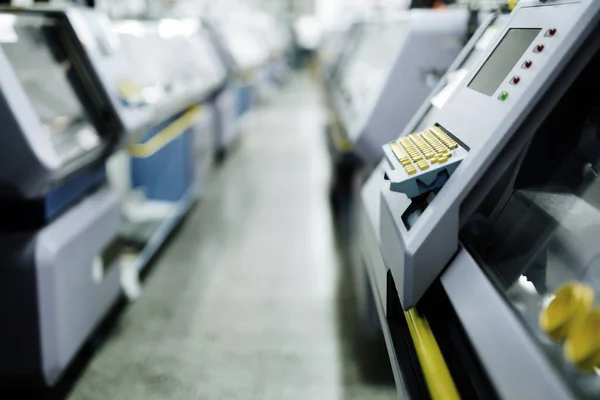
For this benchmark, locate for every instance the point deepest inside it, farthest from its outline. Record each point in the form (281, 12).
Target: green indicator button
(503, 96)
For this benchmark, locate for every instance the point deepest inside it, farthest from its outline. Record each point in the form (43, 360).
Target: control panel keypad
(425, 154)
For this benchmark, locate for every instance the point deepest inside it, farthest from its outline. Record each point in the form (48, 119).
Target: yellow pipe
(437, 376)
(166, 136)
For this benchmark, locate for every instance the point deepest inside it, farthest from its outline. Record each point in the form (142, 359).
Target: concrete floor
(250, 300)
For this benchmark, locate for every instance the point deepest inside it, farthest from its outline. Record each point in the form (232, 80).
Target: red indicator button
(539, 48)
(527, 64)
(515, 80)
(551, 32)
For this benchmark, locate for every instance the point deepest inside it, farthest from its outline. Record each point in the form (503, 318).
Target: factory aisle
(248, 300)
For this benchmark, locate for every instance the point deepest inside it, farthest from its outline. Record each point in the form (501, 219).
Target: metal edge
(514, 364)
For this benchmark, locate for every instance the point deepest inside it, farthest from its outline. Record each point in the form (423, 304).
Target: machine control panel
(481, 118)
(423, 161)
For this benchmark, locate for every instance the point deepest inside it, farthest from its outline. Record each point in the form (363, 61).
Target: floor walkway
(249, 300)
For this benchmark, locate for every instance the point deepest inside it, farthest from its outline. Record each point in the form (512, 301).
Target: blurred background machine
(161, 98)
(468, 230)
(60, 220)
(398, 53)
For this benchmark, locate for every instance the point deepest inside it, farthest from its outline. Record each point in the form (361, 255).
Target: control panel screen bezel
(509, 51)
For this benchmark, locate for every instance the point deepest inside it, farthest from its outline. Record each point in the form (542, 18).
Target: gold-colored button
(405, 162)
(410, 170)
(442, 160)
(571, 302)
(582, 347)
(423, 166)
(397, 151)
(443, 137)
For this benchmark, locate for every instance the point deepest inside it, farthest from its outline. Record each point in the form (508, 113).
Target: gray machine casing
(485, 124)
(370, 205)
(54, 286)
(225, 119)
(109, 62)
(428, 43)
(511, 358)
(94, 30)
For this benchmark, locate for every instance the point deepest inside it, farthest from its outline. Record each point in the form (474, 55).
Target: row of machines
(109, 131)
(478, 230)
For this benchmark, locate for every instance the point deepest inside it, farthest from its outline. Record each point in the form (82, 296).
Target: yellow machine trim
(166, 136)
(247, 77)
(437, 376)
(341, 143)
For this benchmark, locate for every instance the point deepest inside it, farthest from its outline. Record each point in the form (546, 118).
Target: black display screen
(503, 59)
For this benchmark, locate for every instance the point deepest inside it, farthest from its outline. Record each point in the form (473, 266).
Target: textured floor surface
(250, 300)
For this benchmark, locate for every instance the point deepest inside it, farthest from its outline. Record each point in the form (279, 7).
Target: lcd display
(43, 71)
(503, 59)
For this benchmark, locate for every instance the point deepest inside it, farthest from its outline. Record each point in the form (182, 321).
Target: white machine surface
(188, 70)
(392, 70)
(244, 48)
(510, 227)
(335, 50)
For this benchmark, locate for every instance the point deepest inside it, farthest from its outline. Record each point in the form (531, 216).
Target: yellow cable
(437, 376)
(166, 136)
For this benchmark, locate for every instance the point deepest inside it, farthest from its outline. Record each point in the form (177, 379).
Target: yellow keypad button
(397, 150)
(444, 138)
(410, 149)
(423, 165)
(410, 170)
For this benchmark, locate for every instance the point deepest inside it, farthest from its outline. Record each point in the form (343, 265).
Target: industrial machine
(407, 52)
(477, 229)
(60, 220)
(338, 46)
(166, 80)
(277, 40)
(245, 55)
